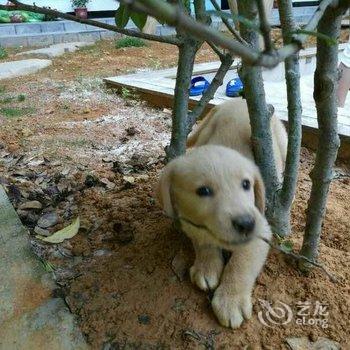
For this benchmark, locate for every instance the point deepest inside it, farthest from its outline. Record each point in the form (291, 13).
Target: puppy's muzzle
(243, 224)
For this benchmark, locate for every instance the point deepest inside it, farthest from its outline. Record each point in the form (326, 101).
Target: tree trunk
(187, 53)
(325, 95)
(259, 113)
(280, 220)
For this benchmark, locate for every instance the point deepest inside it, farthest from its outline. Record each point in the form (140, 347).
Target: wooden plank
(157, 87)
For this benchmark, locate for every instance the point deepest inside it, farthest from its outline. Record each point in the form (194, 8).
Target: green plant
(79, 3)
(21, 97)
(13, 112)
(129, 41)
(3, 53)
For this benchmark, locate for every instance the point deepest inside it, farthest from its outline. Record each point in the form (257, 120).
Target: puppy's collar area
(203, 227)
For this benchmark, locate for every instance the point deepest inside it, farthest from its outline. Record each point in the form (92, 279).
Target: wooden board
(157, 87)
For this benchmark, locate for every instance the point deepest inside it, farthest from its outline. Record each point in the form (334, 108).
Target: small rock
(30, 205)
(143, 177)
(29, 218)
(108, 184)
(129, 182)
(180, 265)
(42, 232)
(102, 252)
(304, 343)
(129, 179)
(48, 220)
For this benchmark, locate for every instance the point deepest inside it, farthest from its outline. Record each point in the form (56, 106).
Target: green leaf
(245, 21)
(287, 246)
(122, 16)
(330, 41)
(139, 19)
(66, 233)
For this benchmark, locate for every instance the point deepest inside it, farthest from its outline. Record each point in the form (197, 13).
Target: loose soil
(80, 149)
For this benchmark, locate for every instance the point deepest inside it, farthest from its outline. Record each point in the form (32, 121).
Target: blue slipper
(234, 87)
(198, 86)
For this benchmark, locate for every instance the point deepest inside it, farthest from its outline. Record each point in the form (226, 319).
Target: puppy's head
(217, 194)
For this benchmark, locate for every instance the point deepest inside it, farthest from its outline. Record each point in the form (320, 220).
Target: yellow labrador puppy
(217, 193)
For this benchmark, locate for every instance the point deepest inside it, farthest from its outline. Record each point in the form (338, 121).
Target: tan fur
(221, 158)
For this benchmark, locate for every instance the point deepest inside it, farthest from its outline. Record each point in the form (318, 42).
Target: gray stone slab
(28, 28)
(40, 40)
(7, 29)
(108, 35)
(65, 38)
(29, 317)
(54, 26)
(13, 41)
(56, 49)
(23, 67)
(48, 327)
(74, 27)
(90, 36)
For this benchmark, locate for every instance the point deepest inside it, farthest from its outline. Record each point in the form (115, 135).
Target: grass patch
(9, 99)
(3, 53)
(14, 112)
(129, 41)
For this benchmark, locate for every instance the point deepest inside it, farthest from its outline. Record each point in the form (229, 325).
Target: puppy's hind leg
(207, 268)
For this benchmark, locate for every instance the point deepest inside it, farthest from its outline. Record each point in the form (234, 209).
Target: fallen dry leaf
(66, 233)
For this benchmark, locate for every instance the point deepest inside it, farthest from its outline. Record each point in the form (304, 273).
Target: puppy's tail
(194, 135)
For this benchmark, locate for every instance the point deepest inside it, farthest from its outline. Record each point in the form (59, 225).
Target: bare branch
(226, 63)
(325, 96)
(259, 113)
(216, 50)
(265, 26)
(280, 221)
(33, 8)
(298, 257)
(234, 32)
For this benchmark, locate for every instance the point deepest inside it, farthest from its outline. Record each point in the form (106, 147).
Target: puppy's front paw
(206, 274)
(231, 309)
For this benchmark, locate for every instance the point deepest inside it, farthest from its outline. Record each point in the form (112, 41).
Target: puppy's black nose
(243, 224)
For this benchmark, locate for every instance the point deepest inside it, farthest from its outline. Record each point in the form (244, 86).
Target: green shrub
(3, 53)
(14, 112)
(129, 41)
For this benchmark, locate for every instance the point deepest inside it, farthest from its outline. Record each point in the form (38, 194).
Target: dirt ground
(78, 149)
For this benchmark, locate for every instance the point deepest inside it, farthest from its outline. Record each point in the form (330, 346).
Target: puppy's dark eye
(246, 184)
(204, 191)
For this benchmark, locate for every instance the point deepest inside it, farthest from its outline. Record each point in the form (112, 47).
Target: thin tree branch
(175, 17)
(259, 113)
(280, 221)
(33, 8)
(325, 95)
(226, 63)
(265, 26)
(216, 50)
(233, 31)
(298, 257)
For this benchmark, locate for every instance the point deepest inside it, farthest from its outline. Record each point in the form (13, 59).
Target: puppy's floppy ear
(259, 192)
(164, 188)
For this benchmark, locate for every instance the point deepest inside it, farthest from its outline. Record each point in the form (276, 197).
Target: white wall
(65, 5)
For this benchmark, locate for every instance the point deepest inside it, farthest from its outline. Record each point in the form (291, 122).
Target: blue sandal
(234, 87)
(198, 86)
